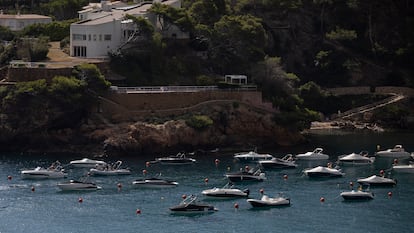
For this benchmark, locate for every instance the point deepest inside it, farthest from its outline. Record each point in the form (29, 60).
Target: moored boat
(354, 159)
(228, 191)
(87, 163)
(408, 168)
(323, 172)
(252, 156)
(190, 205)
(55, 171)
(357, 195)
(375, 180)
(76, 185)
(154, 183)
(398, 152)
(179, 159)
(254, 174)
(110, 170)
(316, 154)
(267, 201)
(279, 163)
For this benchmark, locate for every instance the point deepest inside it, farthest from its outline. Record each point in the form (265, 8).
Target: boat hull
(403, 168)
(242, 178)
(156, 183)
(225, 193)
(39, 175)
(260, 203)
(78, 186)
(323, 175)
(97, 172)
(357, 195)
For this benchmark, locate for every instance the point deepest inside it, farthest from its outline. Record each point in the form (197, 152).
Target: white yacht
(398, 152)
(154, 183)
(316, 154)
(227, 191)
(406, 168)
(279, 163)
(354, 159)
(323, 172)
(357, 195)
(43, 173)
(179, 159)
(85, 162)
(267, 201)
(375, 180)
(110, 170)
(252, 156)
(76, 185)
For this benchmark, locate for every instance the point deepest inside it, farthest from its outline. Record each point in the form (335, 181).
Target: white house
(19, 21)
(104, 29)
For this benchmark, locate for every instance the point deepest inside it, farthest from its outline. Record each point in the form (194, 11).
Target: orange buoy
(80, 200)
(322, 199)
(33, 188)
(285, 177)
(261, 191)
(9, 177)
(138, 211)
(147, 164)
(236, 205)
(389, 194)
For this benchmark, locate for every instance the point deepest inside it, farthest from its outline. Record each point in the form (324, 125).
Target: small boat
(55, 171)
(316, 154)
(356, 159)
(85, 162)
(76, 185)
(267, 201)
(190, 205)
(154, 183)
(409, 168)
(227, 191)
(323, 172)
(279, 163)
(357, 195)
(254, 174)
(109, 170)
(179, 159)
(375, 180)
(398, 152)
(252, 156)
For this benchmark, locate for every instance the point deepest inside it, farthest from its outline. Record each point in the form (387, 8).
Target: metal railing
(162, 89)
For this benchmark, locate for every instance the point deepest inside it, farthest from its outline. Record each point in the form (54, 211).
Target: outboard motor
(246, 191)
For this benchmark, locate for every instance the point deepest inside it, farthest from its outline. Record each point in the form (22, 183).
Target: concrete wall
(368, 90)
(31, 74)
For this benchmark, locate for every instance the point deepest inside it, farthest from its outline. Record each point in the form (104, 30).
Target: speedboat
(85, 162)
(179, 159)
(190, 205)
(154, 183)
(250, 175)
(397, 152)
(356, 159)
(267, 201)
(278, 163)
(252, 156)
(323, 172)
(227, 191)
(55, 171)
(110, 170)
(357, 195)
(316, 154)
(409, 168)
(76, 185)
(375, 180)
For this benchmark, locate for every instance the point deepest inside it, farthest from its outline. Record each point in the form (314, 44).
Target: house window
(79, 51)
(78, 37)
(89, 37)
(94, 37)
(100, 37)
(107, 37)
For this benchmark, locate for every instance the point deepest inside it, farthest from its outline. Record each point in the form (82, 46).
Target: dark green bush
(199, 122)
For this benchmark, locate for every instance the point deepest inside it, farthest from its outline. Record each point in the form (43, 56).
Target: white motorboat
(375, 180)
(76, 185)
(316, 154)
(408, 168)
(179, 159)
(254, 174)
(267, 201)
(154, 183)
(279, 163)
(85, 162)
(110, 170)
(357, 195)
(398, 152)
(323, 172)
(190, 205)
(227, 191)
(354, 159)
(54, 171)
(252, 156)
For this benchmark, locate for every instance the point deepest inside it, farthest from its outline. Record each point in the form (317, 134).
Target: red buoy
(285, 177)
(119, 185)
(351, 184)
(138, 211)
(236, 205)
(395, 161)
(382, 172)
(183, 196)
(147, 164)
(261, 191)
(246, 168)
(389, 194)
(322, 199)
(9, 177)
(206, 180)
(80, 200)
(144, 171)
(33, 188)
(217, 161)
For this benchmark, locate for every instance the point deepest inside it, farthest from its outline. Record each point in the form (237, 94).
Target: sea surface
(39, 206)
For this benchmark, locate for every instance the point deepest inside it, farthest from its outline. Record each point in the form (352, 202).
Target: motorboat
(398, 152)
(375, 180)
(252, 156)
(354, 159)
(109, 170)
(316, 154)
(154, 183)
(227, 191)
(77, 185)
(267, 201)
(279, 163)
(55, 171)
(323, 172)
(357, 195)
(408, 168)
(254, 174)
(191, 205)
(179, 159)
(88, 163)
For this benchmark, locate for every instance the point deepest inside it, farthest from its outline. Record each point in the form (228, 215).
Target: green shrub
(199, 122)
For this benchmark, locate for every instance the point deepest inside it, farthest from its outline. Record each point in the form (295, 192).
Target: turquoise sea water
(47, 209)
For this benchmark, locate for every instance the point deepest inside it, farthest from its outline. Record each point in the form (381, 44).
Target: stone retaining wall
(371, 90)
